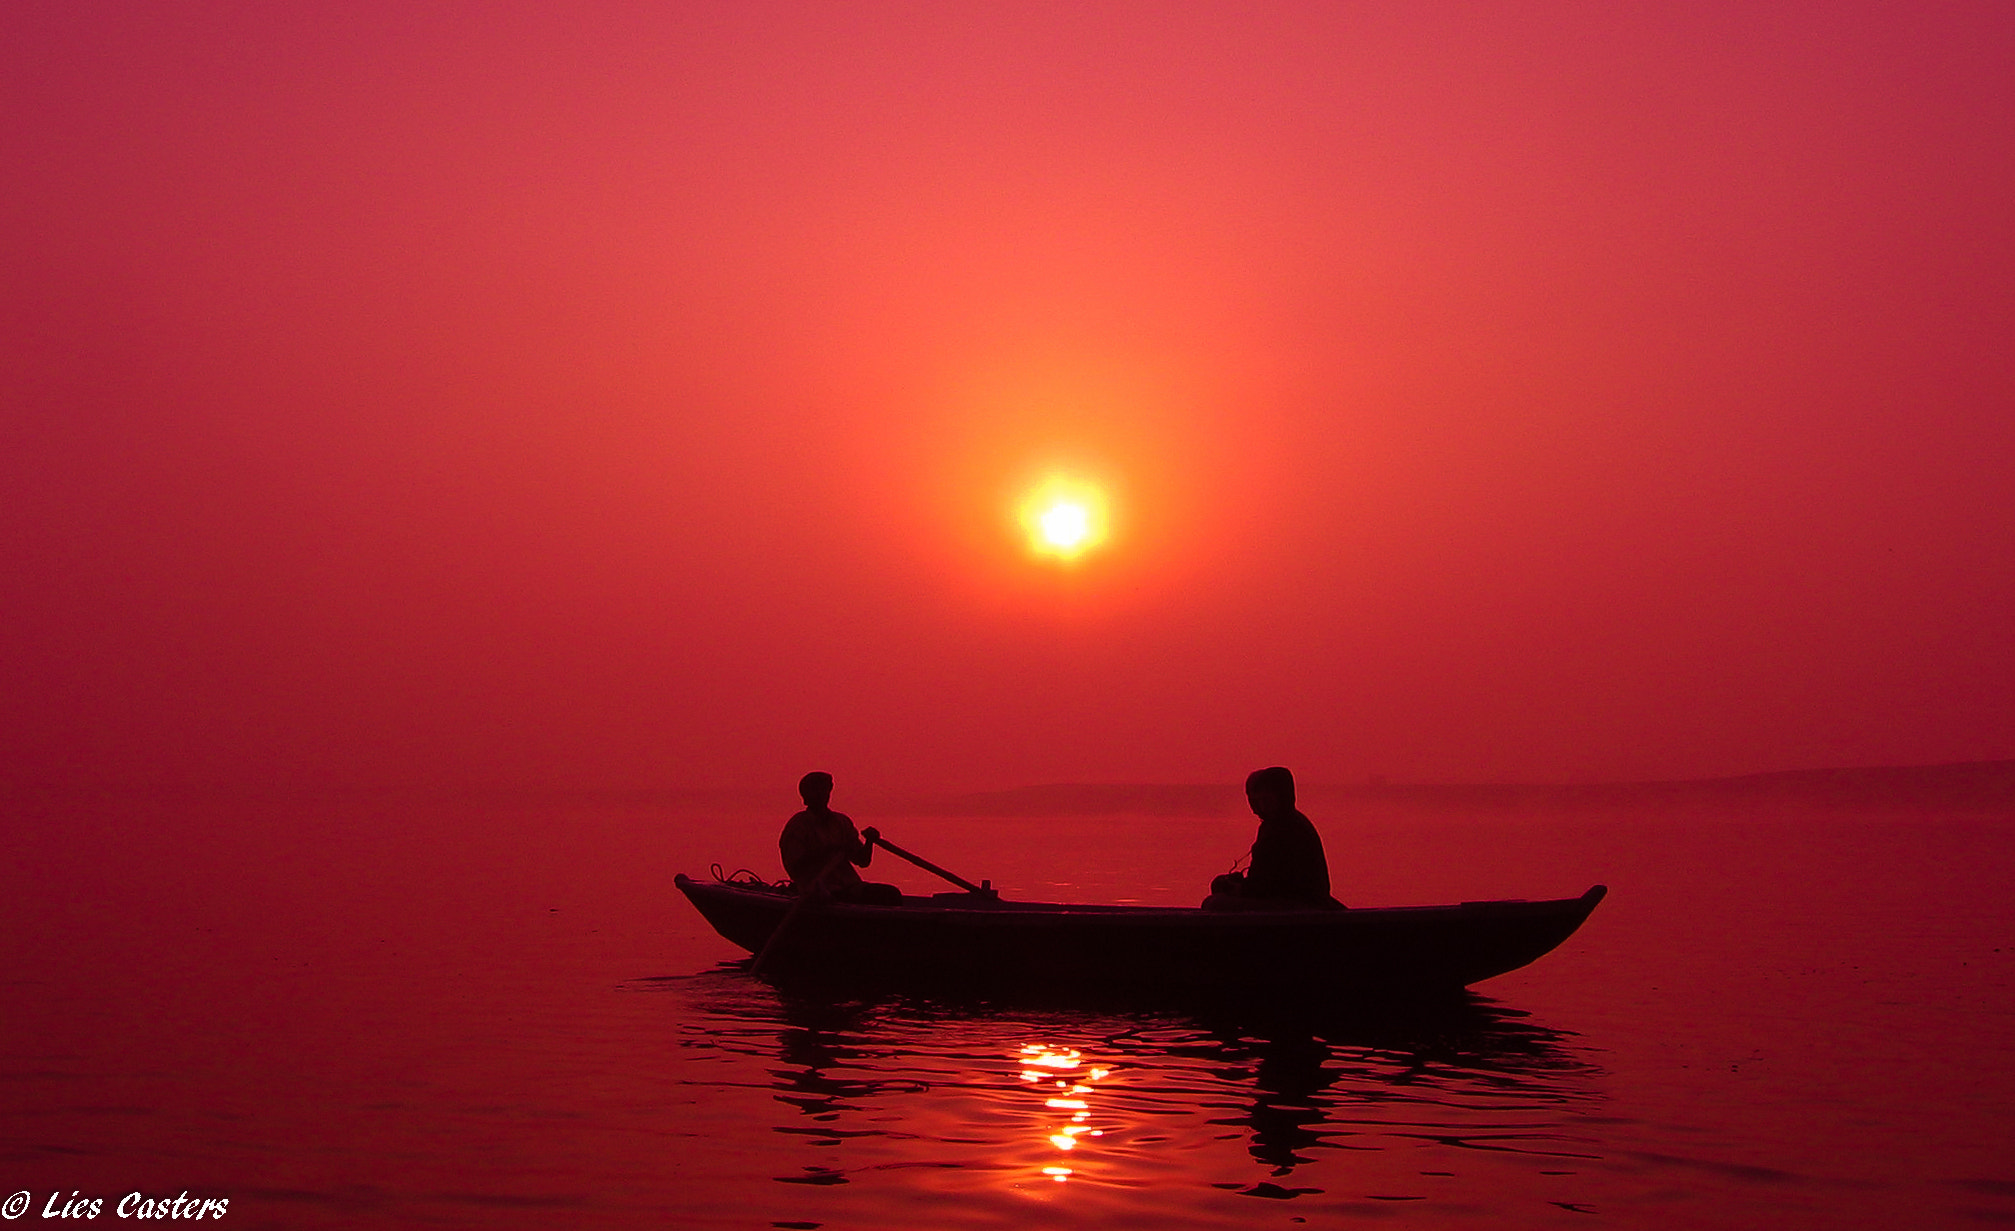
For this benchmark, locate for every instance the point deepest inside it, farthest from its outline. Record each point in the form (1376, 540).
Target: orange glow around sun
(1064, 518)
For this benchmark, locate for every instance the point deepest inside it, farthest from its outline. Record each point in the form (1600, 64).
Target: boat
(975, 937)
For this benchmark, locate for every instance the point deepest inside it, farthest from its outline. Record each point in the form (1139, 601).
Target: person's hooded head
(1270, 792)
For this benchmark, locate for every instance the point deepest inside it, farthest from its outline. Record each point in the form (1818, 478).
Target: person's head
(1270, 791)
(816, 789)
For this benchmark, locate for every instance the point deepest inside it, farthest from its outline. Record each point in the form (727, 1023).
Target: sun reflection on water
(1066, 1081)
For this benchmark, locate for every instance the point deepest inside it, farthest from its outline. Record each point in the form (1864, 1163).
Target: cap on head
(816, 787)
(1274, 780)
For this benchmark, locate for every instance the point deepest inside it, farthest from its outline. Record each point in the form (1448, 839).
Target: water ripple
(998, 1098)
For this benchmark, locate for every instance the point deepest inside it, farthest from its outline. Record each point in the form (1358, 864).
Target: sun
(1064, 518)
(1065, 525)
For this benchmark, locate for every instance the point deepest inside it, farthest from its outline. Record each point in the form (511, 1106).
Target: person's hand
(871, 835)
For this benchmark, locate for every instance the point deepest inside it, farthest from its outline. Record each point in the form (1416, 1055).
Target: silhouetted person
(1288, 867)
(821, 848)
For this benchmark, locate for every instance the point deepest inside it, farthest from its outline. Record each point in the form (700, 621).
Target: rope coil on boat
(747, 879)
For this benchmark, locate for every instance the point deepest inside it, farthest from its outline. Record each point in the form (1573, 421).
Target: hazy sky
(641, 394)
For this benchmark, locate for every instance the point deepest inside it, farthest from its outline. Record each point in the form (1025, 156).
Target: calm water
(376, 1014)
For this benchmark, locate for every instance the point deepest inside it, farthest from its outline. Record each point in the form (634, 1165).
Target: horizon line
(1976, 774)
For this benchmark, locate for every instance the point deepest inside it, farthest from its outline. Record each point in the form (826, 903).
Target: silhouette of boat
(968, 938)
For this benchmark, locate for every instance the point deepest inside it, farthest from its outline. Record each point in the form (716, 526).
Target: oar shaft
(930, 867)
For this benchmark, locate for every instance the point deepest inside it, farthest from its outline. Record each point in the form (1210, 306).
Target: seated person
(1288, 868)
(820, 848)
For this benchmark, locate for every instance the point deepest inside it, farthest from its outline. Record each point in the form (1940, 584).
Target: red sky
(638, 394)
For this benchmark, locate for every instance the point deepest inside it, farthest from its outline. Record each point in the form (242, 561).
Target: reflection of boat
(975, 1091)
(960, 937)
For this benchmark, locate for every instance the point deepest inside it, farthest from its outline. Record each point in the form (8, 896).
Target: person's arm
(1287, 863)
(1262, 875)
(859, 849)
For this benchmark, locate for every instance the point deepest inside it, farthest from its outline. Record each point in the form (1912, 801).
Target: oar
(791, 915)
(983, 889)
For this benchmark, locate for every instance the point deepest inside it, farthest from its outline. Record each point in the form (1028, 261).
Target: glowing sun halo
(1064, 519)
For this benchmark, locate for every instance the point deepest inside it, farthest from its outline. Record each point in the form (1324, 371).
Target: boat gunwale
(939, 907)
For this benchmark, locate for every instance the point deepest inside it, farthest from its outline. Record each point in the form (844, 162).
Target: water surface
(373, 1013)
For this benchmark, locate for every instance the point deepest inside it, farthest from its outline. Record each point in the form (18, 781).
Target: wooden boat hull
(959, 938)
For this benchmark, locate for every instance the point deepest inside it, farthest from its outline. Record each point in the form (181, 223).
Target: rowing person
(1288, 868)
(821, 848)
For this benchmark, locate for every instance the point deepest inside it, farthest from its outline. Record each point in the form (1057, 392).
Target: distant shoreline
(1963, 785)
